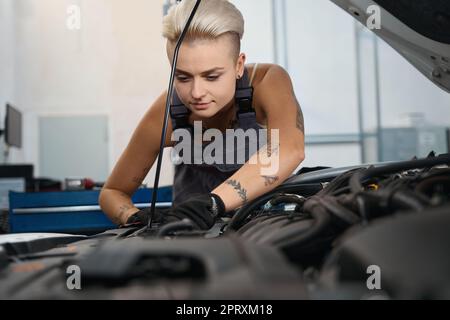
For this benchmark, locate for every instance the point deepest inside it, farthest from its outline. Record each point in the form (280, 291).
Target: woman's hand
(202, 210)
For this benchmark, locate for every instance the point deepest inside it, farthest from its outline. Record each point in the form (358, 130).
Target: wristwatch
(217, 206)
(214, 207)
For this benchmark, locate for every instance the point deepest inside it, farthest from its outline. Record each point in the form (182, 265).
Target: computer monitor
(13, 127)
(448, 140)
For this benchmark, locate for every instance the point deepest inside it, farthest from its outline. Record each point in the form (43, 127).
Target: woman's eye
(183, 79)
(212, 78)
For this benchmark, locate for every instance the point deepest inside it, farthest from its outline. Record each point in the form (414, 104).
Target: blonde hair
(213, 19)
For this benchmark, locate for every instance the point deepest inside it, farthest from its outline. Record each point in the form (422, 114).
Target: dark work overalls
(203, 178)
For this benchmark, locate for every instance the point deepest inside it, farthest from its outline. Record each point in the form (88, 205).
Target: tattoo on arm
(274, 150)
(269, 180)
(300, 119)
(271, 150)
(239, 189)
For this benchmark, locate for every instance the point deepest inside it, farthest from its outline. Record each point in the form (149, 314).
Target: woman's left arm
(275, 163)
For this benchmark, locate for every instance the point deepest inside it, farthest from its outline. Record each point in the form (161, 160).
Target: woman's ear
(240, 65)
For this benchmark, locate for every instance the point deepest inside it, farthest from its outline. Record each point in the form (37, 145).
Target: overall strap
(246, 115)
(179, 113)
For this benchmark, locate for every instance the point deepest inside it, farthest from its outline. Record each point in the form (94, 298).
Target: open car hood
(418, 29)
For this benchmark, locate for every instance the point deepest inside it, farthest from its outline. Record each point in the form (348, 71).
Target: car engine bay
(321, 235)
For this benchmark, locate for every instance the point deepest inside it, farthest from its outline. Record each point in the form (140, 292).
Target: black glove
(141, 217)
(203, 210)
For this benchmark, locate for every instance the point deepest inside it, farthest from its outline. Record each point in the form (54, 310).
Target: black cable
(362, 208)
(183, 225)
(242, 214)
(268, 227)
(167, 112)
(406, 199)
(339, 211)
(339, 183)
(321, 220)
(255, 224)
(287, 199)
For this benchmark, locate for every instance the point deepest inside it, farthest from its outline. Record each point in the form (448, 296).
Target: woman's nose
(198, 90)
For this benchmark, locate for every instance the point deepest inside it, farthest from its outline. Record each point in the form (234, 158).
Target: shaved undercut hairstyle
(214, 19)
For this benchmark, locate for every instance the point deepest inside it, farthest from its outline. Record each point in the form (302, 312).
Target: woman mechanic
(213, 87)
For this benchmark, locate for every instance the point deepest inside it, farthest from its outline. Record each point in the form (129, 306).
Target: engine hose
(358, 177)
(430, 182)
(339, 183)
(399, 199)
(264, 227)
(274, 222)
(242, 214)
(322, 220)
(339, 211)
(405, 199)
(362, 208)
(170, 228)
(287, 198)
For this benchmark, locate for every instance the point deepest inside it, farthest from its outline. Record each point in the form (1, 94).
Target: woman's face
(206, 74)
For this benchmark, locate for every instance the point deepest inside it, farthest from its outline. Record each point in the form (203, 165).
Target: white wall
(258, 38)
(115, 64)
(7, 73)
(6, 54)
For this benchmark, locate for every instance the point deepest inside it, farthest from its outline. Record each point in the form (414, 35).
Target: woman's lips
(201, 106)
